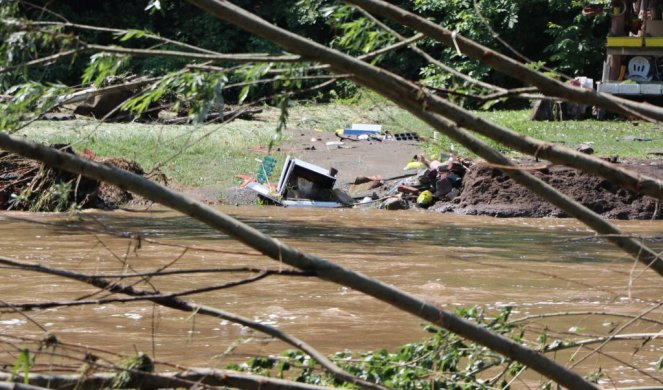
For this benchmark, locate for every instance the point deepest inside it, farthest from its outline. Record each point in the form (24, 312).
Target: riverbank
(211, 162)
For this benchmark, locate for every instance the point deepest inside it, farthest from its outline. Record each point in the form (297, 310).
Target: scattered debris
(586, 148)
(425, 199)
(303, 184)
(30, 185)
(395, 203)
(58, 116)
(265, 170)
(407, 137)
(361, 129)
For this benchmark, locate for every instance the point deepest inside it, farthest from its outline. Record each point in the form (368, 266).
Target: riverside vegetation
(39, 44)
(208, 154)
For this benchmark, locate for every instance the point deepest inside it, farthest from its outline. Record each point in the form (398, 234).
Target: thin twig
(240, 57)
(174, 302)
(582, 313)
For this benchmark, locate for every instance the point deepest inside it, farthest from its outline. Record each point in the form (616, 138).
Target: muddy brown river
(534, 265)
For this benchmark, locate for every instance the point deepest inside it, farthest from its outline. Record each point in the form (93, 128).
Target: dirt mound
(488, 191)
(30, 185)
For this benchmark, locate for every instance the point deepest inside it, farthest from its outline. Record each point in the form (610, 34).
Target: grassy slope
(214, 154)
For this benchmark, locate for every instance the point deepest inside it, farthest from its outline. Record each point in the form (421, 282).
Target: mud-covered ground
(485, 190)
(488, 191)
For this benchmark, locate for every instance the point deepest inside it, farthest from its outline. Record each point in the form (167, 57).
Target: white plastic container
(651, 89)
(629, 89)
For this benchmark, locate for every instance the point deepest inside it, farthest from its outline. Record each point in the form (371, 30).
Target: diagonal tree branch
(291, 256)
(430, 58)
(239, 57)
(419, 102)
(187, 379)
(173, 302)
(556, 154)
(506, 65)
(118, 31)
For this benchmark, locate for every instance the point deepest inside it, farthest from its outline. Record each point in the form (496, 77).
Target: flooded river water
(535, 265)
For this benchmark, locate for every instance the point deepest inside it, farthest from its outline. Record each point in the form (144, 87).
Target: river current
(533, 265)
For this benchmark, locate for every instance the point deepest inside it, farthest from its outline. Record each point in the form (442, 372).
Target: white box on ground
(367, 127)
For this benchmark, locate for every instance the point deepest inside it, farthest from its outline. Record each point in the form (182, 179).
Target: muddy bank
(488, 191)
(30, 185)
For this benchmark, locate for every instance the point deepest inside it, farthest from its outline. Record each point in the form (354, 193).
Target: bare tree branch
(238, 57)
(173, 302)
(288, 255)
(118, 31)
(600, 340)
(616, 333)
(44, 60)
(430, 58)
(506, 65)
(188, 379)
(583, 313)
(633, 181)
(419, 102)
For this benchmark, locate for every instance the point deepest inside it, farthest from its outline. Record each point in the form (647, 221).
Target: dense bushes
(550, 32)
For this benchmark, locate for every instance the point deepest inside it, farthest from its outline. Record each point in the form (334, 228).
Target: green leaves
(130, 34)
(28, 101)
(443, 360)
(358, 34)
(199, 92)
(103, 66)
(22, 361)
(250, 74)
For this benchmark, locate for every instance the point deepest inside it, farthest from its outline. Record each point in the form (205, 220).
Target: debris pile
(303, 184)
(436, 180)
(31, 186)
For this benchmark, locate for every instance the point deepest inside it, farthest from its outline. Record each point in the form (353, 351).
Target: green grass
(214, 154)
(609, 138)
(190, 156)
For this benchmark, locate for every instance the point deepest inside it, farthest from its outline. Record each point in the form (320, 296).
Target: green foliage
(124, 377)
(577, 44)
(22, 42)
(103, 66)
(281, 123)
(56, 198)
(358, 34)
(130, 34)
(250, 74)
(443, 360)
(22, 361)
(27, 101)
(572, 43)
(200, 91)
